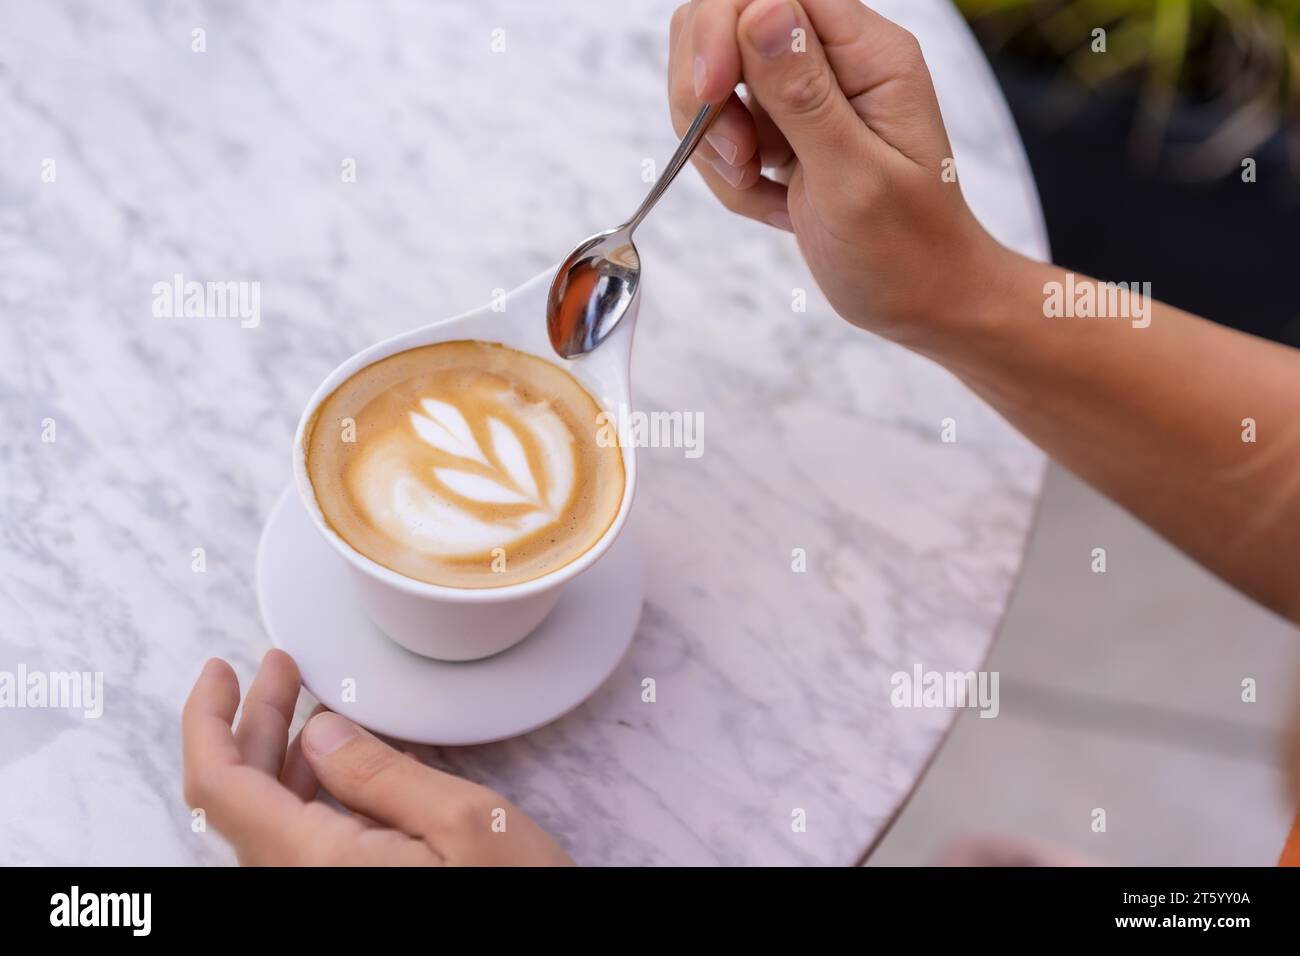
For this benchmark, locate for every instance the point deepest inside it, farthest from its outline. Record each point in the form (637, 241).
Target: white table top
(475, 170)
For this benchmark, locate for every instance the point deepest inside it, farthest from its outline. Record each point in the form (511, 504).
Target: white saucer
(309, 609)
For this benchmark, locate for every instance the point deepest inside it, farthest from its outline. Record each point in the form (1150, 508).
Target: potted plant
(1165, 139)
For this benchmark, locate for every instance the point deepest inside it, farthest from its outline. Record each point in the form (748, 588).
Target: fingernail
(771, 29)
(326, 733)
(725, 147)
(732, 174)
(701, 76)
(781, 220)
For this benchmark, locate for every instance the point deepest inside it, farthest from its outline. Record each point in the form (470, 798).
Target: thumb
(786, 70)
(366, 775)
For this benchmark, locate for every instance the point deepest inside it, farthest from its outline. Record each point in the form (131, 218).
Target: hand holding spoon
(595, 284)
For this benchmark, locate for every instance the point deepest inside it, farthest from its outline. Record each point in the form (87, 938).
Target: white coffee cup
(462, 624)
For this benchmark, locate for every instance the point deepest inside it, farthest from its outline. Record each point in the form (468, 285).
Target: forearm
(1156, 418)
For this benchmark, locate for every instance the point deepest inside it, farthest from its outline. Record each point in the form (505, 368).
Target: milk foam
(438, 509)
(465, 464)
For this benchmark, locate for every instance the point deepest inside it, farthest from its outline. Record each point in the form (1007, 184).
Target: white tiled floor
(1120, 691)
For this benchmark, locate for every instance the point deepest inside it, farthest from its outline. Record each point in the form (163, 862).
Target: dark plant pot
(1218, 247)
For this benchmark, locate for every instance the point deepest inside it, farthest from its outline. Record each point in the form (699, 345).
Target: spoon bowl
(592, 291)
(596, 283)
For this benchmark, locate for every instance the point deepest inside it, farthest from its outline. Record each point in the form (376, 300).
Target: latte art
(473, 465)
(438, 488)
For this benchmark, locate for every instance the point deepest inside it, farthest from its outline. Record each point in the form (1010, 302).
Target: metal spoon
(595, 284)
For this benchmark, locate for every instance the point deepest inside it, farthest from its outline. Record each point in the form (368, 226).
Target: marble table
(474, 169)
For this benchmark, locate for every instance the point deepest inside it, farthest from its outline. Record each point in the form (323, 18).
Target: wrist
(982, 318)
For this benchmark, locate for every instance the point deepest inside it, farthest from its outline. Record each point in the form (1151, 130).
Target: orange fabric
(1291, 852)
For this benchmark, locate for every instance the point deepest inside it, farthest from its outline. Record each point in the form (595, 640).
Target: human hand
(258, 790)
(845, 115)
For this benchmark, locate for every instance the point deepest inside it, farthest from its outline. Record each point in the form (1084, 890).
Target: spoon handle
(692, 139)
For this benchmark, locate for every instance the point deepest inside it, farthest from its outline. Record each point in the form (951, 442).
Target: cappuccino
(464, 464)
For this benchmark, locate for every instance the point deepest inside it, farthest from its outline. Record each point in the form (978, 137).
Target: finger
(681, 96)
(786, 70)
(773, 148)
(370, 777)
(861, 46)
(715, 57)
(263, 732)
(731, 141)
(732, 136)
(322, 836)
(383, 847)
(246, 805)
(764, 201)
(206, 741)
(876, 63)
(730, 146)
(680, 17)
(297, 775)
(864, 48)
(880, 69)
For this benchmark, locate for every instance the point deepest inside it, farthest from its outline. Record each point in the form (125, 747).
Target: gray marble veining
(172, 434)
